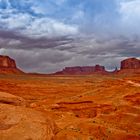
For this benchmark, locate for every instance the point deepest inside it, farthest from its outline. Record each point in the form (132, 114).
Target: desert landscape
(69, 69)
(65, 106)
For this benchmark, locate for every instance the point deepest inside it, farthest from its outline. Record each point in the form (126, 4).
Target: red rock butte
(8, 65)
(82, 70)
(130, 63)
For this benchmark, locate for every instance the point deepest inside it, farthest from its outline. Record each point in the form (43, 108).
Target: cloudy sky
(47, 35)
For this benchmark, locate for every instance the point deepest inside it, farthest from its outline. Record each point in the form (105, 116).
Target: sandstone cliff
(130, 63)
(83, 70)
(8, 65)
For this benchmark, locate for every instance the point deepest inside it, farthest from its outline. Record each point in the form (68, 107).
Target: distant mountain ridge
(127, 65)
(83, 70)
(8, 66)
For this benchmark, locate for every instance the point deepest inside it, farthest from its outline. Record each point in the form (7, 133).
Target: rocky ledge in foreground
(19, 122)
(8, 66)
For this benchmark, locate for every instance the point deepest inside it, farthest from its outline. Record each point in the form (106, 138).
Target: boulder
(7, 98)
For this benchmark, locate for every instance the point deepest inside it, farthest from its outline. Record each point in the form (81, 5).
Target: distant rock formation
(7, 62)
(130, 63)
(8, 65)
(83, 70)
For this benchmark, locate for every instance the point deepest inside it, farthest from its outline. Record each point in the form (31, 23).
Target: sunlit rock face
(8, 65)
(130, 63)
(7, 62)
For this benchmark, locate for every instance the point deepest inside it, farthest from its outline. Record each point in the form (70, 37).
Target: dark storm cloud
(117, 46)
(38, 59)
(72, 52)
(8, 34)
(35, 54)
(32, 43)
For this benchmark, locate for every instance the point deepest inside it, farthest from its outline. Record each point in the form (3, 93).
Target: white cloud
(38, 27)
(130, 9)
(130, 14)
(16, 21)
(33, 25)
(48, 27)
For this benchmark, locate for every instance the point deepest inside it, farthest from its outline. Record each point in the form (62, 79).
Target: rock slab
(18, 122)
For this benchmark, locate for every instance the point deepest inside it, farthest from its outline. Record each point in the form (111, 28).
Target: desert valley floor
(94, 107)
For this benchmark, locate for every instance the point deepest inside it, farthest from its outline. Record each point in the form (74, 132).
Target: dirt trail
(133, 83)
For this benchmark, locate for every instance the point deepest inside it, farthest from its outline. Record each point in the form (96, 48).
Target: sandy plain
(94, 107)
